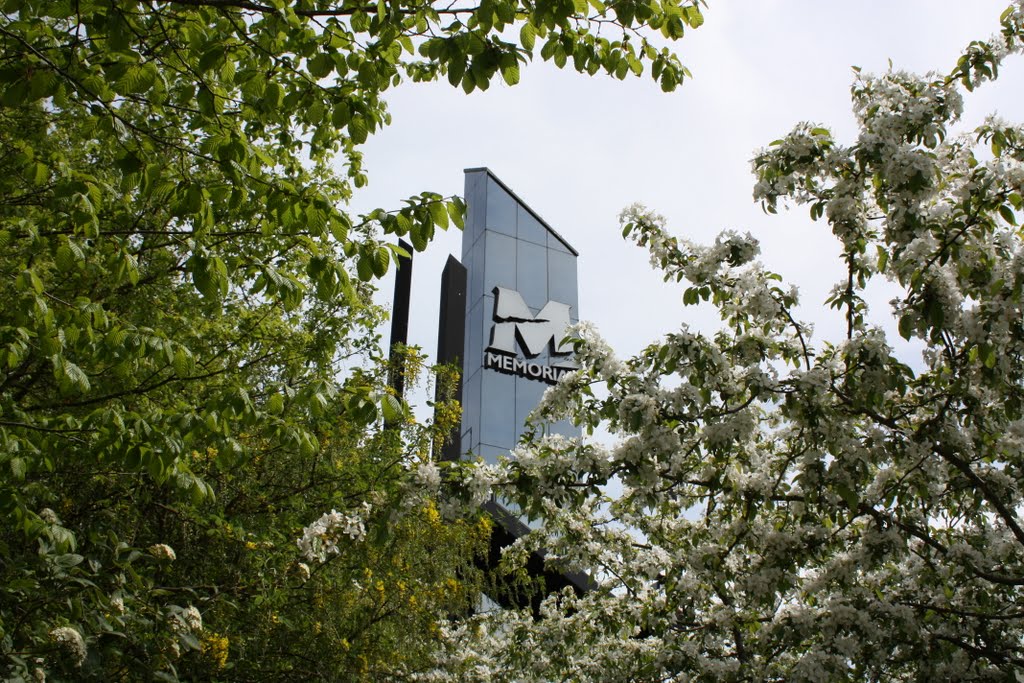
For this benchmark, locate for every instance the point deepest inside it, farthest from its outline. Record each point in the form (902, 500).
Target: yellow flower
(214, 648)
(431, 513)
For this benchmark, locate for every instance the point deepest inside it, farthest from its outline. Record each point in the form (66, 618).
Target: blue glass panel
(562, 279)
(556, 244)
(471, 410)
(528, 394)
(530, 229)
(475, 267)
(475, 338)
(500, 262)
(501, 209)
(486, 321)
(476, 209)
(497, 411)
(491, 453)
(532, 274)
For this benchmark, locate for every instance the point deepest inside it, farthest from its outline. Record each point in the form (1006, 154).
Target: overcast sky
(579, 149)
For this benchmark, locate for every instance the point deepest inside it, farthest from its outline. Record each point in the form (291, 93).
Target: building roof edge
(526, 206)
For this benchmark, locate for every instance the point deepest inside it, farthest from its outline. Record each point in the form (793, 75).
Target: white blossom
(320, 539)
(162, 551)
(788, 508)
(192, 618)
(481, 481)
(71, 642)
(428, 476)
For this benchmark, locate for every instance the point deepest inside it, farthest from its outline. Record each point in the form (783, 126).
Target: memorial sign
(521, 297)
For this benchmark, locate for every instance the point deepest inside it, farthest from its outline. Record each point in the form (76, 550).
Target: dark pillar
(400, 317)
(451, 335)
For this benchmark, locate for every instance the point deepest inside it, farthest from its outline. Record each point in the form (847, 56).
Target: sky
(579, 149)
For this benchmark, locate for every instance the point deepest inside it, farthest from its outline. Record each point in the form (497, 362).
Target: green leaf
(40, 174)
(68, 560)
(391, 408)
(357, 130)
(321, 65)
(19, 468)
(183, 363)
(456, 71)
(339, 225)
(364, 268)
(419, 238)
(510, 74)
(70, 376)
(29, 278)
(457, 212)
(439, 214)
(273, 96)
(527, 36)
(693, 17)
(849, 496)
(201, 277)
(135, 80)
(341, 115)
(65, 258)
(381, 259)
(1007, 213)
(906, 326)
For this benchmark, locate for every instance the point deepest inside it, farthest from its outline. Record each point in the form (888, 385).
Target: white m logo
(512, 320)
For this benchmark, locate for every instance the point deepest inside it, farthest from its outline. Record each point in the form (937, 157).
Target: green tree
(798, 511)
(183, 287)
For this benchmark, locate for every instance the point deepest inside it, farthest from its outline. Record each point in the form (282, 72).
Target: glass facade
(506, 245)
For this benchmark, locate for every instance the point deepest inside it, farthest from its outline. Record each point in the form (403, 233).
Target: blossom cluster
(185, 619)
(320, 539)
(780, 508)
(428, 476)
(162, 551)
(71, 642)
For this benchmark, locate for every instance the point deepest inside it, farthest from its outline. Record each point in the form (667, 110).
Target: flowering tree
(184, 284)
(793, 511)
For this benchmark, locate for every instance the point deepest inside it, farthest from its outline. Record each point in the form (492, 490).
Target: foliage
(185, 295)
(793, 511)
(116, 554)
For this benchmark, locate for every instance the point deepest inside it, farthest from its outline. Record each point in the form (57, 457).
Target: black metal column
(400, 318)
(451, 335)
